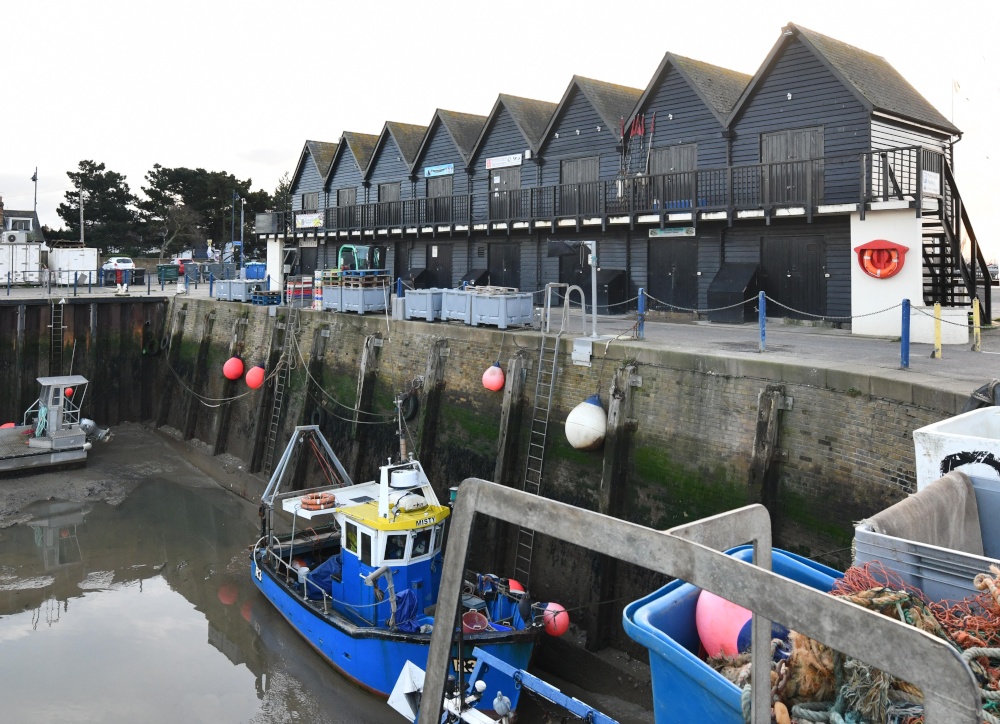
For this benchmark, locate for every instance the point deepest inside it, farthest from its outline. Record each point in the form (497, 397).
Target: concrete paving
(803, 348)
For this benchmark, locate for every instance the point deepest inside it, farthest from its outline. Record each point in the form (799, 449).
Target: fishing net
(817, 684)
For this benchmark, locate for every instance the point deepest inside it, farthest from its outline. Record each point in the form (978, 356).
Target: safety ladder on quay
(280, 384)
(56, 337)
(548, 356)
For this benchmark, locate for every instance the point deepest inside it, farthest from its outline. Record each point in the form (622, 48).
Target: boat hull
(373, 657)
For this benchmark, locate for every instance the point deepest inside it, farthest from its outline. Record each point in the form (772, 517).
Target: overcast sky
(239, 86)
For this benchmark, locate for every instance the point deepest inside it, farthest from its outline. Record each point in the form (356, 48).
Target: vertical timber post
(614, 477)
(198, 376)
(433, 390)
(762, 481)
(367, 377)
(507, 460)
(173, 337)
(229, 386)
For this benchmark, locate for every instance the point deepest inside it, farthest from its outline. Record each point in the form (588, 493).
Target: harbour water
(143, 612)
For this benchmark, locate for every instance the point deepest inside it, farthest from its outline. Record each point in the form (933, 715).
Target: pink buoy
(228, 594)
(493, 377)
(7, 425)
(246, 610)
(68, 392)
(556, 619)
(255, 377)
(233, 369)
(719, 623)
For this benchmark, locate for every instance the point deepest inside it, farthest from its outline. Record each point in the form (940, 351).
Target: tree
(109, 214)
(283, 194)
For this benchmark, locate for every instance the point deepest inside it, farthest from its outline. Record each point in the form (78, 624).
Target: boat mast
(399, 429)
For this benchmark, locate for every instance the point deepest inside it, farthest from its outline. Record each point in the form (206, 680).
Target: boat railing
(694, 554)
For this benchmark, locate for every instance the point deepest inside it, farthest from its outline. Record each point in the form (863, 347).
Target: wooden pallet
(380, 280)
(265, 298)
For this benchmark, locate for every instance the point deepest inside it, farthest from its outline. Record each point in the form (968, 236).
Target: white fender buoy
(587, 424)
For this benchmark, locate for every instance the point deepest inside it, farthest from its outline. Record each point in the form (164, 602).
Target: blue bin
(685, 688)
(256, 270)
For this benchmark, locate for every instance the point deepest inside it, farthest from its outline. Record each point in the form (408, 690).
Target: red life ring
(318, 501)
(880, 263)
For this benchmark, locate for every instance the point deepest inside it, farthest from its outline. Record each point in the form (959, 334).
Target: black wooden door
(439, 192)
(575, 269)
(504, 264)
(673, 169)
(439, 265)
(401, 260)
(793, 272)
(505, 184)
(673, 273)
(579, 191)
(794, 174)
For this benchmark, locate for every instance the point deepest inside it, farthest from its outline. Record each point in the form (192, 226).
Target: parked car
(994, 271)
(118, 262)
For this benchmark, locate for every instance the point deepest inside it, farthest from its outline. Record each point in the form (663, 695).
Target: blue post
(128, 277)
(211, 285)
(399, 286)
(904, 338)
(640, 327)
(762, 320)
(163, 276)
(75, 276)
(8, 284)
(89, 279)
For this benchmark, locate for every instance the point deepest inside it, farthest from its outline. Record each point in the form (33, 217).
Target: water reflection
(144, 613)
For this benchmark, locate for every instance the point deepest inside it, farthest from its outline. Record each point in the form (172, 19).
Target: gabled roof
(612, 102)
(875, 83)
(36, 228)
(530, 116)
(462, 128)
(361, 146)
(719, 88)
(322, 154)
(408, 138)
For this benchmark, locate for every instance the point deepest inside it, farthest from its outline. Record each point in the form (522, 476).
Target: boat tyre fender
(318, 501)
(318, 417)
(409, 405)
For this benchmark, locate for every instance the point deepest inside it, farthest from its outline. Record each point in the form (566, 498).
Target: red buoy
(69, 392)
(556, 619)
(514, 587)
(493, 377)
(255, 377)
(7, 425)
(233, 369)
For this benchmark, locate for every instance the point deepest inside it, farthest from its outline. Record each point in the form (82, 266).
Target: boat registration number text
(425, 521)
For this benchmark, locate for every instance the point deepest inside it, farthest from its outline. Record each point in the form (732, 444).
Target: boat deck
(16, 455)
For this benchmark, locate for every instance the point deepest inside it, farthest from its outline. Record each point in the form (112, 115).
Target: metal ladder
(280, 383)
(544, 383)
(56, 346)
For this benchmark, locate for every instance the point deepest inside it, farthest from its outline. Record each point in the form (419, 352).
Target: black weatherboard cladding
(307, 181)
(818, 99)
(345, 174)
(578, 114)
(692, 121)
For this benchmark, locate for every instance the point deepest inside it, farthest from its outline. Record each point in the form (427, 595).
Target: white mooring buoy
(587, 424)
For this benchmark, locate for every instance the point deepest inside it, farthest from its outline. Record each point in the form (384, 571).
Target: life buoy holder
(881, 259)
(318, 501)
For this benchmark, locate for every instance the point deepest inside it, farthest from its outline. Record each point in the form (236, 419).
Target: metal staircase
(542, 408)
(923, 177)
(280, 386)
(56, 341)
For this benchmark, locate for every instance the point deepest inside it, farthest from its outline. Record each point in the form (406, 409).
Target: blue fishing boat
(355, 570)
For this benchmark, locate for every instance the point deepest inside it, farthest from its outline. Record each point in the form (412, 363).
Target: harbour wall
(843, 446)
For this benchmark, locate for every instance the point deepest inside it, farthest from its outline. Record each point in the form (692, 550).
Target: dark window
(794, 171)
(579, 190)
(395, 546)
(439, 191)
(439, 186)
(421, 542)
(20, 225)
(388, 192)
(366, 549)
(579, 170)
(673, 178)
(346, 197)
(351, 537)
(438, 537)
(310, 202)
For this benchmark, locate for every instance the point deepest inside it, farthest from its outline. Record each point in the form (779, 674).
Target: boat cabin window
(351, 537)
(438, 537)
(395, 546)
(422, 542)
(366, 548)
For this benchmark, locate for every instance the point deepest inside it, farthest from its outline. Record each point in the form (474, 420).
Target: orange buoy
(233, 369)
(493, 377)
(228, 594)
(7, 425)
(255, 377)
(556, 619)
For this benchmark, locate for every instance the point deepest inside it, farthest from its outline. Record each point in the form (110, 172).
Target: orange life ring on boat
(881, 259)
(318, 501)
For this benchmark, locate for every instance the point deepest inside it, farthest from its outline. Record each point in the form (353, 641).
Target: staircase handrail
(978, 261)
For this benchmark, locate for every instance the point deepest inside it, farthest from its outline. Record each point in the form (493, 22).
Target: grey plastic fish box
(236, 290)
(456, 304)
(502, 310)
(941, 573)
(333, 298)
(969, 442)
(365, 299)
(423, 304)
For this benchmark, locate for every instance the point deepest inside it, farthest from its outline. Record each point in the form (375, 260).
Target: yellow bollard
(936, 354)
(977, 337)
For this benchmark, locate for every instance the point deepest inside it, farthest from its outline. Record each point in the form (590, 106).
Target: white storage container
(456, 304)
(67, 264)
(501, 310)
(333, 298)
(364, 299)
(969, 442)
(423, 304)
